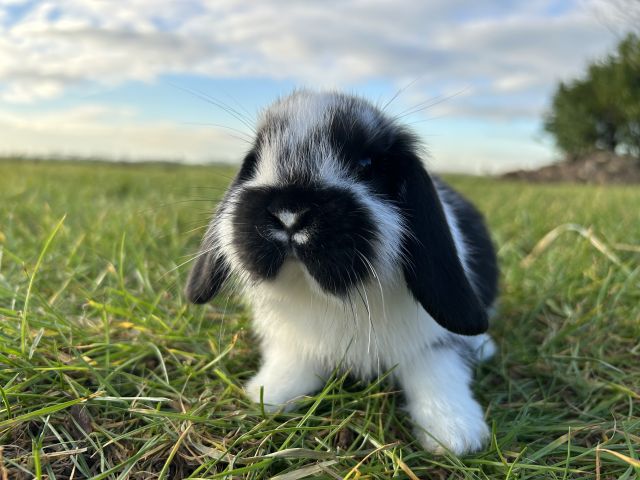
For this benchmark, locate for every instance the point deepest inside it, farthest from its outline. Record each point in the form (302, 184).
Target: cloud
(515, 46)
(106, 132)
(492, 62)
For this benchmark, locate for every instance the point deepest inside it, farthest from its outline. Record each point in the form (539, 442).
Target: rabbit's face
(320, 186)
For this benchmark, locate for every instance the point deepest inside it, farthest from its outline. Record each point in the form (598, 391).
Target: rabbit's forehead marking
(304, 137)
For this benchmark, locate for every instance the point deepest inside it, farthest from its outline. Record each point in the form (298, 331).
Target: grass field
(106, 371)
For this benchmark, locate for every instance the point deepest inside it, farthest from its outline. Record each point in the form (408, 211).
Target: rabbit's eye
(364, 165)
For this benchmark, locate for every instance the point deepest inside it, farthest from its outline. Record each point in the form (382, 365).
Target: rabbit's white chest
(376, 329)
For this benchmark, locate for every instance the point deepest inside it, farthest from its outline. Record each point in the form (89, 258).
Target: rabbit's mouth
(326, 228)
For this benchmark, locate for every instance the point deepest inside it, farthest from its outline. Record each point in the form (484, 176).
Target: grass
(106, 371)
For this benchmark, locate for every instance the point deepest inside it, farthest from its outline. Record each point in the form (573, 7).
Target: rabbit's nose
(288, 219)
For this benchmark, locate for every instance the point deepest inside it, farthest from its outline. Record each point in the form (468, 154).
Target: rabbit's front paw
(282, 384)
(460, 430)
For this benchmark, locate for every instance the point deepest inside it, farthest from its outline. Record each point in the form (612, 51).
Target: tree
(629, 74)
(602, 110)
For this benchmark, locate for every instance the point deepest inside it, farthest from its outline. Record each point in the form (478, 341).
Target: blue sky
(101, 78)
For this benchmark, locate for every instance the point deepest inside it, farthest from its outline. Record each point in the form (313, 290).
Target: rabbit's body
(352, 256)
(367, 336)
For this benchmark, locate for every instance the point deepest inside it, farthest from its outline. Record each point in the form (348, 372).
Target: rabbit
(351, 255)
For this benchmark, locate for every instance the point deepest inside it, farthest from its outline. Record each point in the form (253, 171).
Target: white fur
(441, 403)
(458, 239)
(287, 218)
(280, 236)
(221, 232)
(305, 333)
(301, 237)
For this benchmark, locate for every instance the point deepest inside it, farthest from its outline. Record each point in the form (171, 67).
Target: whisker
(438, 99)
(218, 103)
(400, 91)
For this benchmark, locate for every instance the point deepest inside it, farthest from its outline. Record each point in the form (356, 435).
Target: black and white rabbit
(351, 254)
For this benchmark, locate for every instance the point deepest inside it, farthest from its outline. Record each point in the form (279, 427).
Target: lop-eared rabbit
(352, 254)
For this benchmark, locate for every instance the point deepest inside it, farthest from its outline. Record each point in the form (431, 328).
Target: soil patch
(595, 168)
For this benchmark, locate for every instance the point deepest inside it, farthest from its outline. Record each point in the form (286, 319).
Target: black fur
(383, 156)
(482, 260)
(207, 276)
(433, 271)
(334, 253)
(248, 168)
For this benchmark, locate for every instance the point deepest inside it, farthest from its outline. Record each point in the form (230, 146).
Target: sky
(184, 80)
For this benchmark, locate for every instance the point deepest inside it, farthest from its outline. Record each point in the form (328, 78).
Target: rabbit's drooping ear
(208, 274)
(432, 268)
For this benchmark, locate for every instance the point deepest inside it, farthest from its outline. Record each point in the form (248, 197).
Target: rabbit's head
(334, 183)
